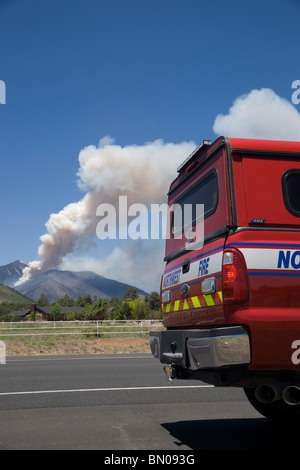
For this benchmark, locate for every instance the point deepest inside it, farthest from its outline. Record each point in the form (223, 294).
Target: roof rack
(205, 143)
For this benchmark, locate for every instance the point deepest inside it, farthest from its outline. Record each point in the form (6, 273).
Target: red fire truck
(230, 292)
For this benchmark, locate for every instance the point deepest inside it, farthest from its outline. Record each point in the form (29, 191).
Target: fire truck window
(291, 193)
(204, 192)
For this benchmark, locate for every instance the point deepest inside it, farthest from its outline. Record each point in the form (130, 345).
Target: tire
(277, 410)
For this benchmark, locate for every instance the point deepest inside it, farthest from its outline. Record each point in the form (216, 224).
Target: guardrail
(97, 328)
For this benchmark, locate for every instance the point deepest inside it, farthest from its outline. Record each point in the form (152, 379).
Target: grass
(40, 338)
(69, 346)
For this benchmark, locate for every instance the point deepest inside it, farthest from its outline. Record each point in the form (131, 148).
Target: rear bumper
(202, 349)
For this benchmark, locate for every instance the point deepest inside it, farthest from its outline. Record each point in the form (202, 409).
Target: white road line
(120, 389)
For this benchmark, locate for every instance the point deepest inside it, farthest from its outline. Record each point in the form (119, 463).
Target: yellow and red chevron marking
(198, 301)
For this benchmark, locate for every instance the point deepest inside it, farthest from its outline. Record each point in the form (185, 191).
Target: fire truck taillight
(234, 277)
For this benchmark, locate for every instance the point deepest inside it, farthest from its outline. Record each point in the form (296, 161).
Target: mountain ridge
(10, 295)
(11, 273)
(55, 284)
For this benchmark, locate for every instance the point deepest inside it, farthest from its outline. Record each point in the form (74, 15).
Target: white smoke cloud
(260, 114)
(142, 173)
(140, 264)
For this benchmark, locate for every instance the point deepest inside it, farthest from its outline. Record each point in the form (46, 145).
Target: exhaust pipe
(291, 394)
(268, 393)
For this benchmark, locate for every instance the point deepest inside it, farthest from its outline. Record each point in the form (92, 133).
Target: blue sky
(79, 70)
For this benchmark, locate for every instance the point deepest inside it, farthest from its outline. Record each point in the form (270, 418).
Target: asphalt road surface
(124, 403)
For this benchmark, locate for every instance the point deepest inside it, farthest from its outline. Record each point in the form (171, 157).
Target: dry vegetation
(61, 346)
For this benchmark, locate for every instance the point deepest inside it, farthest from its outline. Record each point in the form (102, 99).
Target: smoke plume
(142, 173)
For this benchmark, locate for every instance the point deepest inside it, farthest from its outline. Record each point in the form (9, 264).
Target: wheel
(277, 410)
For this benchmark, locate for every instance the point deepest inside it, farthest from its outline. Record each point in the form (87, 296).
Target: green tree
(125, 312)
(87, 313)
(83, 301)
(130, 294)
(141, 310)
(115, 301)
(32, 316)
(80, 301)
(66, 301)
(101, 309)
(70, 316)
(43, 301)
(16, 317)
(88, 300)
(55, 312)
(154, 301)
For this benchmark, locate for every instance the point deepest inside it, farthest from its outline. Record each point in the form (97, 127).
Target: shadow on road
(234, 434)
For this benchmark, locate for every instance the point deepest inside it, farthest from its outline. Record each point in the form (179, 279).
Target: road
(124, 402)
